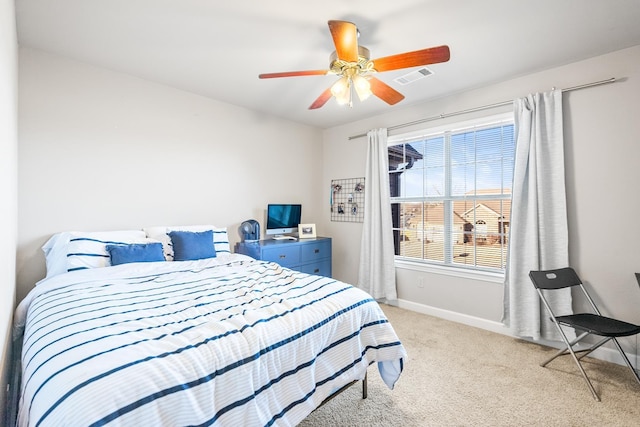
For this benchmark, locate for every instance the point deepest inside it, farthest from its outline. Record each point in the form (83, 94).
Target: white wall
(102, 151)
(8, 185)
(602, 140)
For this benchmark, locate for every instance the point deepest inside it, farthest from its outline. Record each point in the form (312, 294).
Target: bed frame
(344, 387)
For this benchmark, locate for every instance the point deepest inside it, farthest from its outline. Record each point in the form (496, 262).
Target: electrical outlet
(421, 282)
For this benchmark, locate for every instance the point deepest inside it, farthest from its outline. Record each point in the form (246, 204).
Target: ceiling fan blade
(345, 38)
(432, 55)
(385, 92)
(322, 99)
(294, 74)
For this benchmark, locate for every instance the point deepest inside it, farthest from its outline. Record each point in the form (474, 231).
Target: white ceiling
(218, 48)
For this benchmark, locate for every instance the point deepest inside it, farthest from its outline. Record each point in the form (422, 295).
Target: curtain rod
(484, 107)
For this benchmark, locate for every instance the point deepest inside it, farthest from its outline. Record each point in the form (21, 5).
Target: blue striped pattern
(85, 253)
(89, 250)
(223, 341)
(221, 240)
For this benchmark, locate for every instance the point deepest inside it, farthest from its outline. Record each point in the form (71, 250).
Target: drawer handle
(283, 256)
(317, 251)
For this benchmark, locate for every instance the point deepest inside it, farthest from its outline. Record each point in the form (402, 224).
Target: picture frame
(306, 231)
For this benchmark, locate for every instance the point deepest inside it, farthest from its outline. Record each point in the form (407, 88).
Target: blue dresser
(312, 256)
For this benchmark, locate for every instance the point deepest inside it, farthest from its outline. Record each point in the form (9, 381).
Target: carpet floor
(457, 375)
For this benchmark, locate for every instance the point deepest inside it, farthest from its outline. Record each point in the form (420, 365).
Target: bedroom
(98, 149)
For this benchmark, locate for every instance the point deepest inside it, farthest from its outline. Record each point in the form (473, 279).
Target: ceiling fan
(353, 64)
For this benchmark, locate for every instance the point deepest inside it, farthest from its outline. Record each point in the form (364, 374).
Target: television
(283, 219)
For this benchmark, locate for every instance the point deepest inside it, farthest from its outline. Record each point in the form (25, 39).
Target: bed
(111, 337)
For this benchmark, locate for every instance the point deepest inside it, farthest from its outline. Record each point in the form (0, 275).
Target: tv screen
(283, 218)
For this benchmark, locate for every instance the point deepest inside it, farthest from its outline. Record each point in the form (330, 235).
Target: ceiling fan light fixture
(341, 90)
(362, 87)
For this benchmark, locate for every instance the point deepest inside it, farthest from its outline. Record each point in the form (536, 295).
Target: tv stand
(283, 237)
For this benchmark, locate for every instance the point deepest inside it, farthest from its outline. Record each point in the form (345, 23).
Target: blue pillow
(135, 252)
(190, 245)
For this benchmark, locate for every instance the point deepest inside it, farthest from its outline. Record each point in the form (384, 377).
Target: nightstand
(312, 256)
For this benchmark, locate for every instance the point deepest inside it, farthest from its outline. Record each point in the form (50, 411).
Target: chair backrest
(555, 279)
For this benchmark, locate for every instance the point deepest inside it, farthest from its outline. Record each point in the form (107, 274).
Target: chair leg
(626, 360)
(591, 349)
(575, 358)
(564, 350)
(584, 375)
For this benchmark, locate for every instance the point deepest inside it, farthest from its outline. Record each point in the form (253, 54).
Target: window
(451, 194)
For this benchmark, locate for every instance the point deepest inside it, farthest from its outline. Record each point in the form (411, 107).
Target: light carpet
(457, 375)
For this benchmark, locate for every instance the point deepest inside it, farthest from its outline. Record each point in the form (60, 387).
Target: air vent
(413, 76)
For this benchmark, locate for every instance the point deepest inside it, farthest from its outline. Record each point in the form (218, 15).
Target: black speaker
(250, 230)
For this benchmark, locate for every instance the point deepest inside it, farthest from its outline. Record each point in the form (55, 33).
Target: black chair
(587, 323)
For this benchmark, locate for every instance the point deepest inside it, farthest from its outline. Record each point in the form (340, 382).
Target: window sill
(487, 276)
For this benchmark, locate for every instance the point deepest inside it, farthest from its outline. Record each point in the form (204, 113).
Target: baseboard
(603, 353)
(465, 319)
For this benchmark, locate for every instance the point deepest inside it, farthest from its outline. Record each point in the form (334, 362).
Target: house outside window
(451, 193)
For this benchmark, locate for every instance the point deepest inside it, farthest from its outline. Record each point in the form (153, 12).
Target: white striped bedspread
(228, 341)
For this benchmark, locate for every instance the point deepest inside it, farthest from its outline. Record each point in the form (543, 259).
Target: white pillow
(161, 233)
(55, 254)
(77, 250)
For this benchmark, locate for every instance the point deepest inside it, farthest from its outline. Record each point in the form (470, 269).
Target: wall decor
(347, 200)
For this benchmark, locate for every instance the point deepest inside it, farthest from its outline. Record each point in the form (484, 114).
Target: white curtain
(377, 274)
(539, 232)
